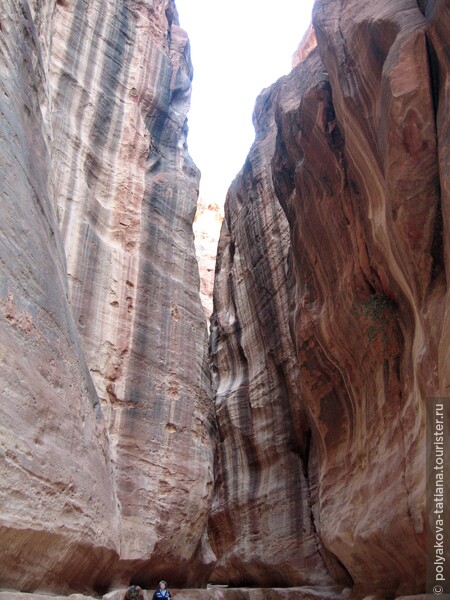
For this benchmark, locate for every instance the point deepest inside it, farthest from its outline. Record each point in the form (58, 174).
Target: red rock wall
(331, 306)
(330, 309)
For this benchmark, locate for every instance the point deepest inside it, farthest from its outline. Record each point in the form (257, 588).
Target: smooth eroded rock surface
(261, 527)
(330, 324)
(127, 192)
(106, 420)
(57, 496)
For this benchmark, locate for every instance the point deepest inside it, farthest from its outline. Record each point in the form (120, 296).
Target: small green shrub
(378, 308)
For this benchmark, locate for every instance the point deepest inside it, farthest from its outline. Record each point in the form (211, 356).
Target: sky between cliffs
(238, 47)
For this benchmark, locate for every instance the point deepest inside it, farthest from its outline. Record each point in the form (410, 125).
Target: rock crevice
(330, 323)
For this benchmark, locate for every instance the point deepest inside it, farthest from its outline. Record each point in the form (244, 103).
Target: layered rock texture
(331, 308)
(105, 423)
(331, 311)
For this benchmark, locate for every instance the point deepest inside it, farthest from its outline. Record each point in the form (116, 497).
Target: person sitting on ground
(134, 592)
(162, 591)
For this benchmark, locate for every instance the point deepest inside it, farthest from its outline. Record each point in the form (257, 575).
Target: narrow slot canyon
(248, 423)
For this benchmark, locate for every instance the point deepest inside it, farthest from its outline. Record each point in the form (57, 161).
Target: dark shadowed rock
(330, 324)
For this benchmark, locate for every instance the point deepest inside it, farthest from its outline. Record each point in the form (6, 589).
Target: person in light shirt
(162, 591)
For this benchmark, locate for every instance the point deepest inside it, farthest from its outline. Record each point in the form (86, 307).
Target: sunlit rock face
(208, 219)
(107, 471)
(307, 43)
(127, 191)
(330, 324)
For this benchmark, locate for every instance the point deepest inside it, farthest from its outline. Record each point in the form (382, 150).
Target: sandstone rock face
(106, 423)
(261, 527)
(331, 308)
(330, 324)
(127, 192)
(58, 503)
(307, 43)
(207, 224)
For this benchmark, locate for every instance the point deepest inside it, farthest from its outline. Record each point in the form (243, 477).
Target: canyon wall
(106, 413)
(330, 322)
(59, 514)
(126, 193)
(331, 308)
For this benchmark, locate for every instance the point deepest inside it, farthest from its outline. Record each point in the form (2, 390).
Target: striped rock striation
(331, 308)
(127, 192)
(106, 414)
(58, 509)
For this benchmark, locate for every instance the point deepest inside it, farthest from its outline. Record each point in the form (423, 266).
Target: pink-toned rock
(59, 519)
(438, 33)
(261, 526)
(331, 308)
(127, 192)
(330, 324)
(307, 44)
(106, 413)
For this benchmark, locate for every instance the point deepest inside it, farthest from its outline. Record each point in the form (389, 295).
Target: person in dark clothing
(162, 591)
(134, 592)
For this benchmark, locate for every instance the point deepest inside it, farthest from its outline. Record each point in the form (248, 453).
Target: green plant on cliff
(378, 308)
